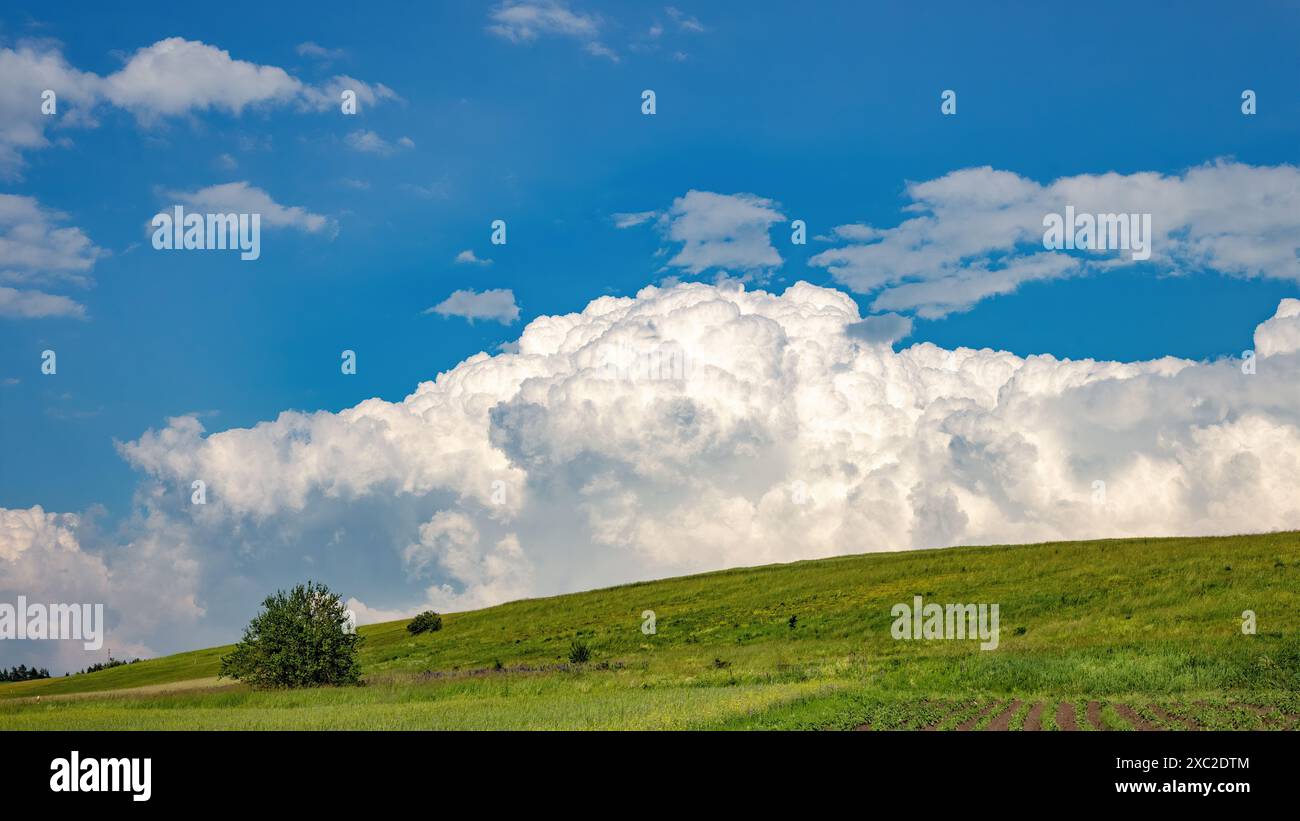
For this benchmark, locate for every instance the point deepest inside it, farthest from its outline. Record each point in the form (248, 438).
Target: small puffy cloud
(728, 232)
(497, 304)
(328, 95)
(467, 257)
(37, 246)
(243, 198)
(978, 232)
(1281, 334)
(34, 304)
(176, 76)
(524, 21)
(368, 142)
(633, 219)
(28, 71)
(685, 21)
(318, 52)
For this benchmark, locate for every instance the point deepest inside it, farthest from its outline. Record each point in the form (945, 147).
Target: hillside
(1116, 633)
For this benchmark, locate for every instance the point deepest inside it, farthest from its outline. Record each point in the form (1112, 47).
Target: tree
(426, 622)
(300, 639)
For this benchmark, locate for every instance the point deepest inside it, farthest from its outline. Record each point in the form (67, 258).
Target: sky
(916, 388)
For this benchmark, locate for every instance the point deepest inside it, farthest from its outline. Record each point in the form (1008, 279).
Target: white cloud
(28, 71)
(541, 470)
(467, 257)
(527, 20)
(685, 21)
(497, 304)
(1281, 334)
(175, 76)
(241, 197)
(318, 52)
(978, 232)
(35, 245)
(33, 304)
(38, 248)
(144, 586)
(368, 142)
(728, 232)
(170, 78)
(633, 219)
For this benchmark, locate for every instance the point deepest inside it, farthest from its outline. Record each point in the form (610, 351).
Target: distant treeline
(103, 665)
(23, 673)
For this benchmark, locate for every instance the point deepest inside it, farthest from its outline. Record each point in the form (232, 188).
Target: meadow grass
(1135, 620)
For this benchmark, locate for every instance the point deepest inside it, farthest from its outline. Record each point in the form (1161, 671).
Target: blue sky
(825, 112)
(830, 118)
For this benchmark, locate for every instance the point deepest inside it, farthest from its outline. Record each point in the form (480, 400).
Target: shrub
(426, 622)
(300, 639)
(579, 652)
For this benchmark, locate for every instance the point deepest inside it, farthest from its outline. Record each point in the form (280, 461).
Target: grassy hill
(1104, 634)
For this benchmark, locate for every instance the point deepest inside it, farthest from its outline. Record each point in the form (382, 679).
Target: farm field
(1134, 634)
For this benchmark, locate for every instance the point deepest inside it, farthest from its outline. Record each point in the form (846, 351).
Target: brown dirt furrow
(934, 725)
(1003, 720)
(1093, 712)
(1034, 718)
(969, 724)
(1164, 716)
(1136, 721)
(1065, 716)
(1271, 720)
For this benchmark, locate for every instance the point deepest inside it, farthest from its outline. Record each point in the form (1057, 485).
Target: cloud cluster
(496, 304)
(243, 198)
(146, 585)
(524, 21)
(728, 233)
(38, 249)
(792, 432)
(978, 232)
(170, 78)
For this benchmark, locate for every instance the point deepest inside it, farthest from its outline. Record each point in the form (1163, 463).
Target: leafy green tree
(302, 638)
(426, 622)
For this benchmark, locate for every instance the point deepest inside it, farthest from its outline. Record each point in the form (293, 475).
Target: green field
(1116, 634)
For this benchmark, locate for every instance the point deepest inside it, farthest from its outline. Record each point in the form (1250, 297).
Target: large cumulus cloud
(698, 427)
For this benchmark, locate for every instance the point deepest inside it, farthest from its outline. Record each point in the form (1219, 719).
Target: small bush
(426, 622)
(579, 652)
